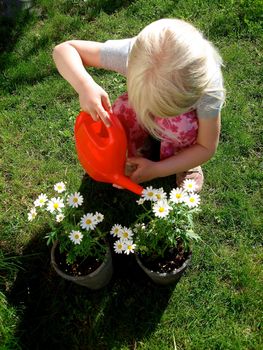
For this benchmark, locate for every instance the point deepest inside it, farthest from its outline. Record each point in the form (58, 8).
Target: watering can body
(102, 150)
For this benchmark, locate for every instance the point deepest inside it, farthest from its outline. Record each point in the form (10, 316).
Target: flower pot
(94, 280)
(164, 278)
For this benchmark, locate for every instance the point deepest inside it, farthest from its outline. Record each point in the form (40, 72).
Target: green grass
(217, 303)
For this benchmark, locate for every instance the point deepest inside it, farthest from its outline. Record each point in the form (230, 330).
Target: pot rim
(174, 272)
(78, 278)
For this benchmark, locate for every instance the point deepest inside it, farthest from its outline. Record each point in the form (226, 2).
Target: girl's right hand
(95, 101)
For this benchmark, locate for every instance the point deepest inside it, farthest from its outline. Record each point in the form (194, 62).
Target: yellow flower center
(119, 246)
(178, 195)
(88, 221)
(41, 200)
(76, 236)
(158, 196)
(129, 247)
(125, 234)
(150, 194)
(191, 199)
(56, 205)
(161, 210)
(75, 199)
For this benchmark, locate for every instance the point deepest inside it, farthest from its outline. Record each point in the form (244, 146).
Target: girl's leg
(195, 174)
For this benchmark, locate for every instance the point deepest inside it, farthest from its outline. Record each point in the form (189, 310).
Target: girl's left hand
(144, 169)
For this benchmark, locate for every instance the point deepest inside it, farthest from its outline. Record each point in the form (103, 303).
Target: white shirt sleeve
(114, 55)
(210, 104)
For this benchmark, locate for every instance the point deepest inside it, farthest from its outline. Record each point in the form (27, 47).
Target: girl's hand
(144, 169)
(95, 101)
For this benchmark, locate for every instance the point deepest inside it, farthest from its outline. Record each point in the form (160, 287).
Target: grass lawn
(218, 303)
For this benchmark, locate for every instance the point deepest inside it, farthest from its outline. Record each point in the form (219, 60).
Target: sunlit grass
(217, 304)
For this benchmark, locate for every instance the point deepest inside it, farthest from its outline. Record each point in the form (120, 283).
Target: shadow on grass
(16, 20)
(57, 314)
(108, 6)
(13, 21)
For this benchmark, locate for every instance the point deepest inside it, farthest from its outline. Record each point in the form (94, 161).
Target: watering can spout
(125, 182)
(102, 150)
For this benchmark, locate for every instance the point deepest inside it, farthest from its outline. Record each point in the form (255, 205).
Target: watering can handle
(85, 127)
(97, 147)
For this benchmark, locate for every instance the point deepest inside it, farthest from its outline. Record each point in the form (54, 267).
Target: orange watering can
(102, 150)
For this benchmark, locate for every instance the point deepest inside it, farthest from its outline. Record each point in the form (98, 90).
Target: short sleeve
(210, 104)
(114, 55)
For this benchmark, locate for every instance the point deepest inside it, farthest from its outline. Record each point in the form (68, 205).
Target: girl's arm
(197, 154)
(71, 57)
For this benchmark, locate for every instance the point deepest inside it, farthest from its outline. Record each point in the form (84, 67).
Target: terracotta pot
(165, 278)
(94, 280)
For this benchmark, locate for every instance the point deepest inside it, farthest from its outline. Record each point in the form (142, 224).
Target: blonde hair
(170, 67)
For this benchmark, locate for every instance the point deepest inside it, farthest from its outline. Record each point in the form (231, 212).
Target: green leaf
(192, 235)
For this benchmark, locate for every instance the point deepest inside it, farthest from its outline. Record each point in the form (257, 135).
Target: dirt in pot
(172, 259)
(81, 267)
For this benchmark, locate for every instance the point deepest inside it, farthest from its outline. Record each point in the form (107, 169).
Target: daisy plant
(77, 232)
(124, 242)
(166, 222)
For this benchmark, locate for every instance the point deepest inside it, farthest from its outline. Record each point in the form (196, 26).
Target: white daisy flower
(192, 200)
(139, 227)
(126, 233)
(99, 217)
(160, 194)
(41, 200)
(140, 201)
(55, 204)
(60, 217)
(149, 194)
(60, 187)
(32, 214)
(75, 199)
(177, 195)
(119, 246)
(189, 185)
(88, 222)
(161, 209)
(75, 236)
(116, 230)
(130, 246)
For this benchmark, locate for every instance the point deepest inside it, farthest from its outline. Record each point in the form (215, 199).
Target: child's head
(169, 68)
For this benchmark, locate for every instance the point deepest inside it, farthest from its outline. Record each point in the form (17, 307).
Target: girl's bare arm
(197, 154)
(71, 57)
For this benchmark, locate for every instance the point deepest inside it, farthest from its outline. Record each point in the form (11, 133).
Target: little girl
(175, 94)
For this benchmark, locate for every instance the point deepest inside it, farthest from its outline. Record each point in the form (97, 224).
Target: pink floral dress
(184, 127)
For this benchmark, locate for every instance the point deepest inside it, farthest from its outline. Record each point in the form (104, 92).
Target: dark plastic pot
(165, 278)
(94, 280)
